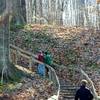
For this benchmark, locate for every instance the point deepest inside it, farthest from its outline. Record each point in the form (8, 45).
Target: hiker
(83, 93)
(47, 58)
(41, 67)
(40, 56)
(48, 61)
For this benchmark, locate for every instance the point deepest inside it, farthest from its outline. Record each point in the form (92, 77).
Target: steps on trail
(67, 91)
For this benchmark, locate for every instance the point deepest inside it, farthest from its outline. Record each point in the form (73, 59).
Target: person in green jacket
(47, 58)
(48, 61)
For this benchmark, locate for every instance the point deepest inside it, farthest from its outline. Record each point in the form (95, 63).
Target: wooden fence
(17, 53)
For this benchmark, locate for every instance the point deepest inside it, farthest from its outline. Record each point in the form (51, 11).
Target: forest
(47, 47)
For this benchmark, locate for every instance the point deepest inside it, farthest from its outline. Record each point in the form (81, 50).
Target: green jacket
(48, 59)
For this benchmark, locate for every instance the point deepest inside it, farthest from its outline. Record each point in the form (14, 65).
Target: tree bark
(29, 15)
(98, 17)
(41, 11)
(7, 69)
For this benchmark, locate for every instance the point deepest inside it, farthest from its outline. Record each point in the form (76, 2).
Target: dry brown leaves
(36, 89)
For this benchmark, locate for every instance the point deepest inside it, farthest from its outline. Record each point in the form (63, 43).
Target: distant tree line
(63, 12)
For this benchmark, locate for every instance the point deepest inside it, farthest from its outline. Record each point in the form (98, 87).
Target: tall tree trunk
(23, 9)
(29, 15)
(41, 11)
(49, 12)
(59, 14)
(4, 46)
(98, 16)
(7, 70)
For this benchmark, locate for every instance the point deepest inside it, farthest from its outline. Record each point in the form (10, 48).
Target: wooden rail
(91, 83)
(16, 52)
(52, 73)
(83, 73)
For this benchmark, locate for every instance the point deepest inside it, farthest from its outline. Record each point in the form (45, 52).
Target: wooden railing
(52, 74)
(17, 53)
(91, 83)
(83, 75)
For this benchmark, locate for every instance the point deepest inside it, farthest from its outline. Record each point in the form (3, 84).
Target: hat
(84, 82)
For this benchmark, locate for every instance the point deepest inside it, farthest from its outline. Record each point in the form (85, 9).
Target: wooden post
(14, 57)
(10, 56)
(30, 63)
(50, 74)
(17, 55)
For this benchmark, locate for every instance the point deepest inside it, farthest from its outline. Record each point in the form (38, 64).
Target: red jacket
(40, 57)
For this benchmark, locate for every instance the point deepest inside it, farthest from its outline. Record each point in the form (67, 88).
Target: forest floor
(71, 47)
(29, 88)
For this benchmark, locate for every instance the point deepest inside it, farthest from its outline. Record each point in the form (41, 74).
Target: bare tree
(41, 11)
(7, 69)
(29, 15)
(98, 15)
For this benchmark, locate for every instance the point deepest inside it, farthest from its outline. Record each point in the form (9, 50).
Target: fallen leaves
(36, 89)
(84, 44)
